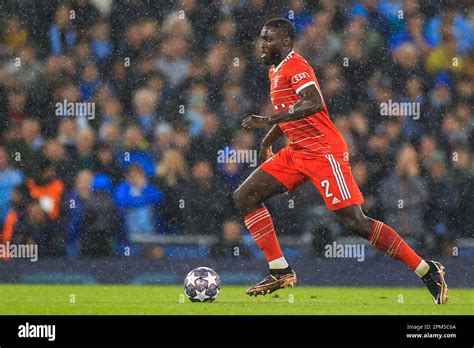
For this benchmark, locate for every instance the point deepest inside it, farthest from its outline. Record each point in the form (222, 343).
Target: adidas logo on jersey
(335, 200)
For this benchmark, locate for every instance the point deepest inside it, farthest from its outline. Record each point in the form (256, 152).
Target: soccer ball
(202, 284)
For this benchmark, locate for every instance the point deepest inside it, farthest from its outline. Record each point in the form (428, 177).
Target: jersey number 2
(325, 184)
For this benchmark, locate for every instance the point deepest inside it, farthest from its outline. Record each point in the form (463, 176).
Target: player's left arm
(309, 104)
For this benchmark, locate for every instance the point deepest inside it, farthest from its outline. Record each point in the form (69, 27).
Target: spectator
(37, 228)
(9, 179)
(135, 152)
(360, 171)
(85, 16)
(89, 82)
(67, 130)
(451, 22)
(163, 140)
(379, 157)
(233, 107)
(441, 100)
(441, 205)
(403, 194)
(111, 112)
(22, 156)
(463, 180)
(101, 223)
(29, 72)
(111, 135)
(101, 44)
(359, 131)
(46, 189)
(16, 110)
(299, 15)
(441, 58)
(85, 145)
(197, 108)
(210, 140)
(105, 164)
(319, 43)
(226, 30)
(172, 177)
(334, 88)
(74, 212)
(406, 65)
(234, 169)
(412, 127)
(413, 33)
(31, 133)
(62, 34)
(230, 242)
(19, 200)
(182, 140)
(65, 166)
(137, 200)
(173, 61)
(16, 35)
(452, 132)
(204, 216)
(145, 102)
(368, 9)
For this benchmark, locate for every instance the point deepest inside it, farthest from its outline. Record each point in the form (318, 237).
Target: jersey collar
(281, 63)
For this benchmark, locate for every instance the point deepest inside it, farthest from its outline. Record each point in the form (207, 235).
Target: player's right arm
(266, 146)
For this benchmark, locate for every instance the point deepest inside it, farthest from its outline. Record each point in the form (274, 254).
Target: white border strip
(306, 85)
(337, 177)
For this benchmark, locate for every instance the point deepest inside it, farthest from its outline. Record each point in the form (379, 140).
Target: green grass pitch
(170, 300)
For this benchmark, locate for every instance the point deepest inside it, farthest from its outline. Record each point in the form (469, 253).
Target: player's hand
(265, 153)
(255, 121)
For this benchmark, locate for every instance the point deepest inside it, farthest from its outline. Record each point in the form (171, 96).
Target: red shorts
(330, 174)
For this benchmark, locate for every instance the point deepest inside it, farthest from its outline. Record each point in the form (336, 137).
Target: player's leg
(333, 178)
(271, 178)
(249, 198)
(387, 240)
(382, 236)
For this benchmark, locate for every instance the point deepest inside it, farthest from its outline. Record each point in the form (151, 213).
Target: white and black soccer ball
(202, 284)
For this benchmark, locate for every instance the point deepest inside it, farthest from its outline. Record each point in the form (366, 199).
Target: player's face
(271, 46)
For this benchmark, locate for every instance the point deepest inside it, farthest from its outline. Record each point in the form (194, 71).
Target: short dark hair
(282, 24)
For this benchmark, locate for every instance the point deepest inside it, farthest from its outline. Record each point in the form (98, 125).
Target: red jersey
(314, 135)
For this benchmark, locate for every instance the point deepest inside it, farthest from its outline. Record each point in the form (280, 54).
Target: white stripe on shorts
(341, 183)
(344, 184)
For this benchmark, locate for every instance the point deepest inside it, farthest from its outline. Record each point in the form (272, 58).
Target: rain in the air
(208, 150)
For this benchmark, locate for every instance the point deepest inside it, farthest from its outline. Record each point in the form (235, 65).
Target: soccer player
(316, 152)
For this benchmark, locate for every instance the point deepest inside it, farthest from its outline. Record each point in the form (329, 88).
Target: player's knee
(239, 197)
(236, 196)
(355, 223)
(348, 221)
(244, 198)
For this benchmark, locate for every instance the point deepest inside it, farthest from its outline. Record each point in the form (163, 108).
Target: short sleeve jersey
(314, 135)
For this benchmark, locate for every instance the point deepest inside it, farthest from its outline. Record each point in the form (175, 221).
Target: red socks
(387, 240)
(383, 237)
(260, 225)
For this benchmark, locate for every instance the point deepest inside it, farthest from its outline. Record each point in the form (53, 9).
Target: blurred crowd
(167, 84)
